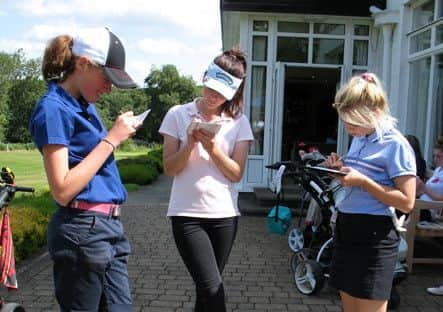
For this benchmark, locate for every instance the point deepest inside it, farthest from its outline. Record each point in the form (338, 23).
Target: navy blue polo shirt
(380, 160)
(59, 118)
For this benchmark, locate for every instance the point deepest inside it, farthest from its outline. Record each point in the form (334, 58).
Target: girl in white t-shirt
(205, 166)
(433, 189)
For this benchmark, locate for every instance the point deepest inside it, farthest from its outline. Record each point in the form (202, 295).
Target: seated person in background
(421, 163)
(433, 189)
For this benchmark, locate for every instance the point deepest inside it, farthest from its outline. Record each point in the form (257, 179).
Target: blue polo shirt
(380, 160)
(59, 118)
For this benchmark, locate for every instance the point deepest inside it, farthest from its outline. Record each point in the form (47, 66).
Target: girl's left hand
(352, 177)
(206, 138)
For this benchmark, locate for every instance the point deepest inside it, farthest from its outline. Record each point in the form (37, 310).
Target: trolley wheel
(308, 277)
(296, 240)
(12, 307)
(296, 258)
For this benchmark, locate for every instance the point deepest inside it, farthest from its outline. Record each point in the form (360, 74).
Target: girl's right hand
(122, 129)
(333, 161)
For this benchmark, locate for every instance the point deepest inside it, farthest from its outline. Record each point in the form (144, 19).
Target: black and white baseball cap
(104, 48)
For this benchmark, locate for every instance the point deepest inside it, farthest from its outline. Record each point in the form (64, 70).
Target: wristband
(110, 143)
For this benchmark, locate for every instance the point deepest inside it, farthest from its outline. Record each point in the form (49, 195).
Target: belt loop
(111, 212)
(115, 211)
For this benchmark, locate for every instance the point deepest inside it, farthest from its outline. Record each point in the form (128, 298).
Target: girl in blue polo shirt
(380, 174)
(85, 236)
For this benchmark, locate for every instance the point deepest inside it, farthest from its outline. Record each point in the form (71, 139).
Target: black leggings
(205, 245)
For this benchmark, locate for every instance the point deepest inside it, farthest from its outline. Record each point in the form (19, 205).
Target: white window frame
(433, 51)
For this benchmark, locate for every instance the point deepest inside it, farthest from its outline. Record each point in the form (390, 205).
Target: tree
(118, 101)
(22, 97)
(166, 88)
(13, 68)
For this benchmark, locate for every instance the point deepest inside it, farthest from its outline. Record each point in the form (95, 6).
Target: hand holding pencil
(333, 161)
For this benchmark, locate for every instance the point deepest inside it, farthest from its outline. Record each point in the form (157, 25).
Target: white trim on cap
(93, 44)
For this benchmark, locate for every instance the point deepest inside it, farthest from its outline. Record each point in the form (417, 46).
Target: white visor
(221, 81)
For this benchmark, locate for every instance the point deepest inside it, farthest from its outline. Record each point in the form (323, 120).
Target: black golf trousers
(204, 245)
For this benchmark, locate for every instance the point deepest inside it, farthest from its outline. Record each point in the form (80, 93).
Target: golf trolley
(311, 240)
(7, 192)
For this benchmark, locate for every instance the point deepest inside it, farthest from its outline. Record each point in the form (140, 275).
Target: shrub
(156, 154)
(132, 187)
(138, 173)
(143, 169)
(29, 217)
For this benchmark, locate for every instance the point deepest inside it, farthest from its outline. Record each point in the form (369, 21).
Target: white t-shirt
(435, 184)
(200, 189)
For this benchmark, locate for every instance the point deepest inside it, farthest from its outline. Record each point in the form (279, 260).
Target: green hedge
(29, 217)
(143, 169)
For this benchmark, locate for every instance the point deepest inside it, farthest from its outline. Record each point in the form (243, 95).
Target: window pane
(260, 26)
(440, 10)
(259, 48)
(360, 54)
(257, 117)
(418, 97)
(328, 51)
(437, 108)
(361, 30)
(329, 29)
(291, 49)
(439, 34)
(423, 15)
(420, 41)
(292, 27)
(356, 72)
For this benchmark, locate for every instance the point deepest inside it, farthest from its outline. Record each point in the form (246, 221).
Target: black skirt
(364, 256)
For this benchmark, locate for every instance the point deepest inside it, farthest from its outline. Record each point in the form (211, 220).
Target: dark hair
(420, 161)
(234, 62)
(439, 143)
(58, 59)
(415, 144)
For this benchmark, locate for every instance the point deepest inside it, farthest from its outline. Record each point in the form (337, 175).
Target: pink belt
(104, 208)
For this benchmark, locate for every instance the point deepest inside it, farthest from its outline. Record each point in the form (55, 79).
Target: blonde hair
(362, 101)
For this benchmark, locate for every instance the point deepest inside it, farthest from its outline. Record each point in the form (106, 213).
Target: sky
(183, 33)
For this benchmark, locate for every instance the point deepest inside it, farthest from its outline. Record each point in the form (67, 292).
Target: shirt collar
(70, 100)
(373, 137)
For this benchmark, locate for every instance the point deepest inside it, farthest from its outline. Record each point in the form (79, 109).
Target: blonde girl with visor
(380, 174)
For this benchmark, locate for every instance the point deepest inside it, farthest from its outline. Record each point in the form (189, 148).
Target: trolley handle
(23, 189)
(7, 192)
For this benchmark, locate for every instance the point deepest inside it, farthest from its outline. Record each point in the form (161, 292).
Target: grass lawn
(28, 166)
